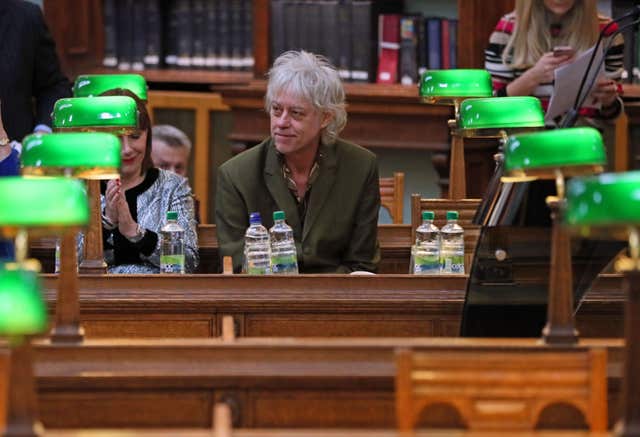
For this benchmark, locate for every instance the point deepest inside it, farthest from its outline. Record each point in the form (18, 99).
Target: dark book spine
(171, 34)
(110, 31)
(248, 60)
(361, 43)
(153, 34)
(198, 29)
(303, 22)
(434, 43)
(421, 33)
(185, 35)
(409, 49)
(237, 35)
(315, 31)
(224, 39)
(277, 28)
(453, 42)
(291, 34)
(125, 34)
(138, 35)
(329, 31)
(345, 36)
(211, 24)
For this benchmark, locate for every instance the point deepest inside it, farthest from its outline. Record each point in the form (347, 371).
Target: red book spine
(388, 48)
(446, 42)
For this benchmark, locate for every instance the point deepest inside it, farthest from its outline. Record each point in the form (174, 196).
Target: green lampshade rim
(81, 172)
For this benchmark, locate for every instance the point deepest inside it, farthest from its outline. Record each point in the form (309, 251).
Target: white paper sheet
(567, 81)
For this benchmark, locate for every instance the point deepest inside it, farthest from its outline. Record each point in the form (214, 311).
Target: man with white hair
(170, 149)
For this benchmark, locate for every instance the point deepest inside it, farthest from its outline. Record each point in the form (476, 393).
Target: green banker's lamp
(92, 85)
(83, 155)
(451, 87)
(608, 205)
(38, 206)
(110, 114)
(556, 154)
(496, 118)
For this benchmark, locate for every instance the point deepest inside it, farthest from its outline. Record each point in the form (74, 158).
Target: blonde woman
(521, 56)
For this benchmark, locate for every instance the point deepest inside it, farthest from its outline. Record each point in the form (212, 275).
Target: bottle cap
(452, 215)
(172, 215)
(254, 218)
(278, 215)
(427, 215)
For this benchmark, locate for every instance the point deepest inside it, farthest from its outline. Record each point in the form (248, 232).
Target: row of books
(198, 34)
(344, 31)
(409, 45)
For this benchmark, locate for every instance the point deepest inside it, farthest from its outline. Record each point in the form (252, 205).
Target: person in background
(134, 207)
(170, 149)
(9, 166)
(327, 187)
(30, 77)
(521, 56)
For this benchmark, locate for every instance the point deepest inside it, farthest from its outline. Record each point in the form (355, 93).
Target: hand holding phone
(564, 51)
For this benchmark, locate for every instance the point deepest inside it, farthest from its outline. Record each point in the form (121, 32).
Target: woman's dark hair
(144, 123)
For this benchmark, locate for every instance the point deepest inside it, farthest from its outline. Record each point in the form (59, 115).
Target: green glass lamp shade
(22, 309)
(448, 86)
(573, 151)
(47, 202)
(486, 117)
(89, 155)
(606, 204)
(92, 85)
(116, 114)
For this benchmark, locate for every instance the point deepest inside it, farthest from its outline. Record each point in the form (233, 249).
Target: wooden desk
(269, 383)
(301, 306)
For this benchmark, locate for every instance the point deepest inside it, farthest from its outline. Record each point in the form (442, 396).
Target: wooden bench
(269, 383)
(305, 305)
(392, 196)
(501, 388)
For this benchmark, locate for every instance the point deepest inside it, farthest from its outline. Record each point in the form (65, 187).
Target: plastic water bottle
(284, 259)
(172, 245)
(452, 245)
(426, 251)
(257, 259)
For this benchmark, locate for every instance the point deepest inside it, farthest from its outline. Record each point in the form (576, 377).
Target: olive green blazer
(340, 227)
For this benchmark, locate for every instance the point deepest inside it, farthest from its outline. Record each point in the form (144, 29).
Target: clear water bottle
(257, 257)
(56, 266)
(284, 259)
(172, 245)
(452, 245)
(426, 250)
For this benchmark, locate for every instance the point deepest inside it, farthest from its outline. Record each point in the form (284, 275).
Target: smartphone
(564, 51)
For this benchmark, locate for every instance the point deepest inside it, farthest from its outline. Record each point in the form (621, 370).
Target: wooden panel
(4, 385)
(337, 325)
(274, 382)
(287, 408)
(114, 408)
(146, 325)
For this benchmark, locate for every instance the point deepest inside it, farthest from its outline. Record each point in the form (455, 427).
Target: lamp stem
(560, 184)
(634, 246)
(22, 245)
(629, 423)
(67, 328)
(93, 256)
(457, 171)
(22, 409)
(560, 328)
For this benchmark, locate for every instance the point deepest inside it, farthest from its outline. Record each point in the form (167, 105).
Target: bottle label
(172, 264)
(258, 270)
(453, 264)
(426, 264)
(284, 264)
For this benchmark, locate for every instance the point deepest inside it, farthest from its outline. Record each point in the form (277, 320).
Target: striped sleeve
(501, 74)
(614, 57)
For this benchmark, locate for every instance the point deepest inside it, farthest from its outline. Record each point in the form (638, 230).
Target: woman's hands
(605, 91)
(117, 209)
(541, 72)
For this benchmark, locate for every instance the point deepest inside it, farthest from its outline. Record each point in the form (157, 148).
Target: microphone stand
(571, 116)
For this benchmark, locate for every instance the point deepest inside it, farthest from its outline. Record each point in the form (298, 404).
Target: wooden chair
(501, 388)
(392, 196)
(202, 104)
(4, 386)
(466, 209)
